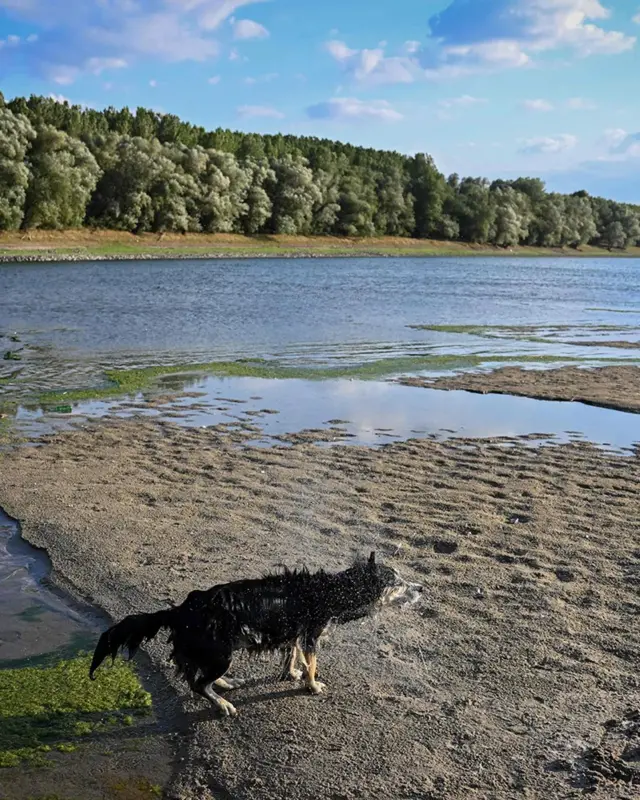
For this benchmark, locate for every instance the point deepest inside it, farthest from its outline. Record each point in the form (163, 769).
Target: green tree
(64, 175)
(16, 134)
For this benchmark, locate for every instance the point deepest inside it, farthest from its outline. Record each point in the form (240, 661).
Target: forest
(66, 166)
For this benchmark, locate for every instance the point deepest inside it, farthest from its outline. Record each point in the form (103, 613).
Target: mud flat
(517, 676)
(609, 387)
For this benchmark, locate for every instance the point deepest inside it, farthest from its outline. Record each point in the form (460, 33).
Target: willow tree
(63, 177)
(16, 134)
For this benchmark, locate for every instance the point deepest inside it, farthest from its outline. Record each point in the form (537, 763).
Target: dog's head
(395, 590)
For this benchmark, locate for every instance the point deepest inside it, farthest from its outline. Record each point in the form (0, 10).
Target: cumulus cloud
(471, 36)
(538, 105)
(372, 66)
(214, 80)
(80, 36)
(259, 111)
(248, 29)
(548, 144)
(522, 29)
(636, 19)
(350, 109)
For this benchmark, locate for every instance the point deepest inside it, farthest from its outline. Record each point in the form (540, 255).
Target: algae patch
(52, 708)
(123, 382)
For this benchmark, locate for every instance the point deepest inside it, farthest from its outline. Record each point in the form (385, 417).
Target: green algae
(56, 706)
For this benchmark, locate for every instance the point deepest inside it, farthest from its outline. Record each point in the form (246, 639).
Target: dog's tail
(129, 633)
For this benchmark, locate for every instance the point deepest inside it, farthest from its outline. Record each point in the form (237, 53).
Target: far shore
(101, 245)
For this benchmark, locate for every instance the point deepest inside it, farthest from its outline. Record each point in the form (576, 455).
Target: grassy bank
(78, 244)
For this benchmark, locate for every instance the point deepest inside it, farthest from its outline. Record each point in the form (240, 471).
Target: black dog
(288, 612)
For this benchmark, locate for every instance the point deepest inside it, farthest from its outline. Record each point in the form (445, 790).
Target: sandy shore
(610, 387)
(516, 677)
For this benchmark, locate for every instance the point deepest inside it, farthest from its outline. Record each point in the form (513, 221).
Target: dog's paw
(227, 708)
(230, 683)
(295, 675)
(316, 687)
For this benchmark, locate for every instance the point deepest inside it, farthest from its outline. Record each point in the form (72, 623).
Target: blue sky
(488, 87)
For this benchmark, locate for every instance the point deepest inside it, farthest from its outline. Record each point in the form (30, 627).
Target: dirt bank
(516, 677)
(609, 387)
(85, 243)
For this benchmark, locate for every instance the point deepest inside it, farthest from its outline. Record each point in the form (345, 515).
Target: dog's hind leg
(229, 683)
(210, 678)
(289, 659)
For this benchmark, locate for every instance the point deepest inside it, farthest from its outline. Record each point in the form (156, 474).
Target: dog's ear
(372, 559)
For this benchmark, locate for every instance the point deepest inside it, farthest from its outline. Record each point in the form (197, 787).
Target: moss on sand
(54, 707)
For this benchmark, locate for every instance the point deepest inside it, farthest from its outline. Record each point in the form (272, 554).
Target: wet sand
(609, 387)
(517, 676)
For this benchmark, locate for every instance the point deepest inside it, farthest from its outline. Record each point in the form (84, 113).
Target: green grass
(54, 707)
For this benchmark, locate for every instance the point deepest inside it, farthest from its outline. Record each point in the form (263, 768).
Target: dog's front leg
(314, 686)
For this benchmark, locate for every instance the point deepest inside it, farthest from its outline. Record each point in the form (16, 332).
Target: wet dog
(287, 612)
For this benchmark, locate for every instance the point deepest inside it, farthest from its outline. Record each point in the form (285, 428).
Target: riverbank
(516, 674)
(79, 245)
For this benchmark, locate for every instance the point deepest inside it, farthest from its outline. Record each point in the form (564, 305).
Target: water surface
(88, 316)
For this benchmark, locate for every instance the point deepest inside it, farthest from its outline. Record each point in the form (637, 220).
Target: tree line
(64, 166)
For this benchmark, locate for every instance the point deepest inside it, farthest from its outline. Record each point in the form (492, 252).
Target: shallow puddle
(369, 412)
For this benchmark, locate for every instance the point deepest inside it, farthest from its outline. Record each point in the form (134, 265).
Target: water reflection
(370, 412)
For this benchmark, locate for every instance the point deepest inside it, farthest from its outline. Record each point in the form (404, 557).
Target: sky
(498, 88)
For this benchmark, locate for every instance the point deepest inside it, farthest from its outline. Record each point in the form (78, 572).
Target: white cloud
(215, 12)
(580, 104)
(248, 29)
(629, 146)
(89, 36)
(619, 145)
(548, 144)
(350, 109)
(98, 65)
(372, 66)
(59, 98)
(153, 84)
(10, 41)
(538, 105)
(636, 19)
(470, 37)
(612, 137)
(464, 101)
(214, 80)
(259, 111)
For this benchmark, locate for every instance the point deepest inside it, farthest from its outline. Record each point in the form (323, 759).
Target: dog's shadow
(253, 692)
